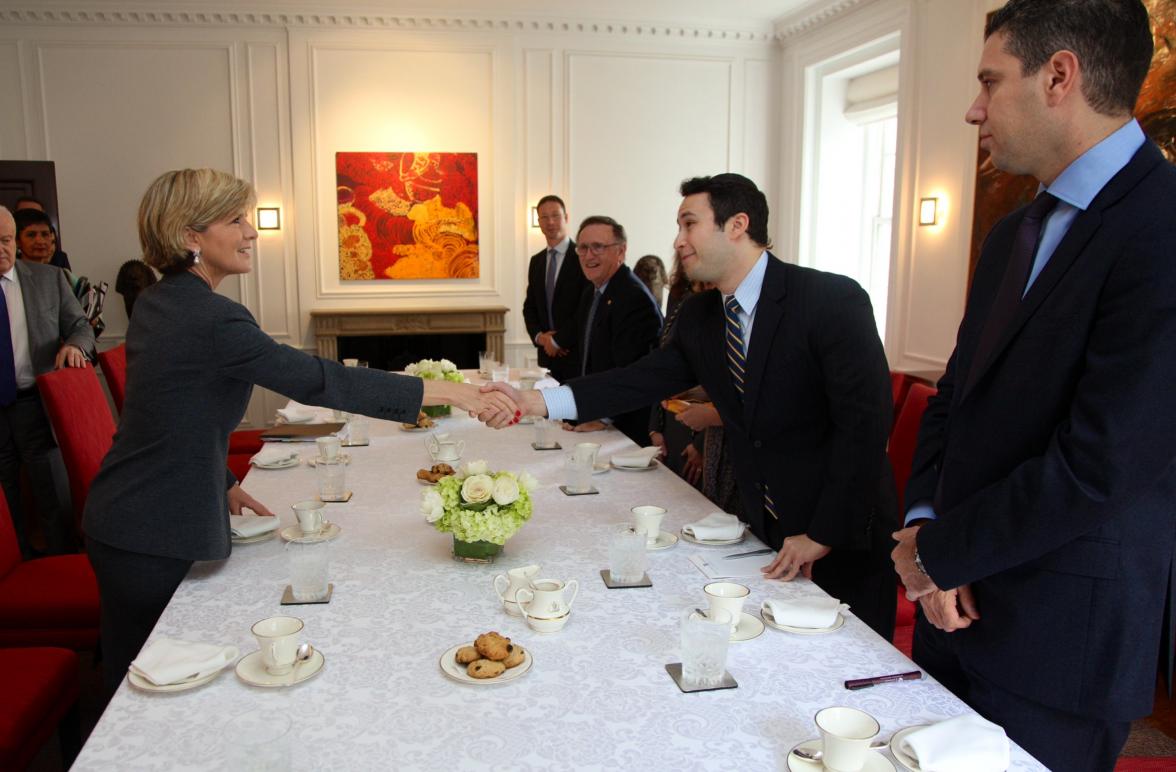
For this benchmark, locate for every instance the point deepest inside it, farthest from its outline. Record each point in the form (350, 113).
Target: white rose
(477, 489)
(506, 491)
(476, 467)
(432, 506)
(411, 369)
(447, 366)
(528, 481)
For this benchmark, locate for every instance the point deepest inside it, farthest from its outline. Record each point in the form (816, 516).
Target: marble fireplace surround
(331, 324)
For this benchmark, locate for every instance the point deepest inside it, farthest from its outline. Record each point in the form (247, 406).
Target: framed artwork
(407, 215)
(998, 193)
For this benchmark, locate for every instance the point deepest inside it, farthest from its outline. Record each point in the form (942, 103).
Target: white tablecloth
(598, 696)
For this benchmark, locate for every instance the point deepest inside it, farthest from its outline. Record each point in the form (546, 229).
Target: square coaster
(606, 577)
(675, 671)
(589, 492)
(350, 444)
(346, 497)
(288, 597)
(537, 446)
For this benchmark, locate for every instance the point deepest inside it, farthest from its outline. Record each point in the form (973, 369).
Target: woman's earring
(195, 255)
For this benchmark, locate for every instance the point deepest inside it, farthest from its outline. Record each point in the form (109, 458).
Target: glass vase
(475, 551)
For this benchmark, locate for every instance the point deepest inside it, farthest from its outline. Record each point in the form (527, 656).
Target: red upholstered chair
(44, 602)
(900, 384)
(81, 419)
(1145, 764)
(906, 433)
(40, 689)
(114, 366)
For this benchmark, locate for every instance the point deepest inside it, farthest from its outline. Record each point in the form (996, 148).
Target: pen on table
(862, 683)
(748, 554)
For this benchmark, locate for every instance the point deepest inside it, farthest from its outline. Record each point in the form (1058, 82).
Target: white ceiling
(735, 13)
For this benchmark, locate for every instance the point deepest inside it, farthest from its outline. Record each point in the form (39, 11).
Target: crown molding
(413, 22)
(813, 15)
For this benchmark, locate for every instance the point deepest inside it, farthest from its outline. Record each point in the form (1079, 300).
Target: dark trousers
(1059, 740)
(134, 589)
(26, 437)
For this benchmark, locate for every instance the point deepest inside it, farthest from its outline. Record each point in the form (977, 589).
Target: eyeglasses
(594, 248)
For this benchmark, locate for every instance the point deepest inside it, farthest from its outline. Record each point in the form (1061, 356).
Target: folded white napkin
(168, 661)
(273, 454)
(810, 612)
(715, 526)
(297, 414)
(635, 458)
(961, 744)
(244, 526)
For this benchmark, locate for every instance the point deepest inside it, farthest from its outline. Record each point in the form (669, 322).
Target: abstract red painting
(407, 215)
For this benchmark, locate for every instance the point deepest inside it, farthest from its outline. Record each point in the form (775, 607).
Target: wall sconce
(929, 211)
(534, 217)
(269, 218)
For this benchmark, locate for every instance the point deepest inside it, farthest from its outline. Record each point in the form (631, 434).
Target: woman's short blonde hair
(182, 200)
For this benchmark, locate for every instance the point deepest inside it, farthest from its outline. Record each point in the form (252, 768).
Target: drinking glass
(309, 562)
(627, 555)
(578, 475)
(332, 479)
(258, 742)
(357, 430)
(485, 361)
(543, 432)
(500, 373)
(704, 646)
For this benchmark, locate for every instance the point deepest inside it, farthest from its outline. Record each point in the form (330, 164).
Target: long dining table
(597, 696)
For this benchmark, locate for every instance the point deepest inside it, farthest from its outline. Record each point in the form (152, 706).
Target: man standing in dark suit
(1041, 530)
(554, 286)
(42, 328)
(792, 360)
(618, 319)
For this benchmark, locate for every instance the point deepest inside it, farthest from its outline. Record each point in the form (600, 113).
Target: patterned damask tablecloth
(598, 696)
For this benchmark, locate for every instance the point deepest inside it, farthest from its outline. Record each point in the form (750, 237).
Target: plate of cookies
(423, 424)
(434, 473)
(489, 659)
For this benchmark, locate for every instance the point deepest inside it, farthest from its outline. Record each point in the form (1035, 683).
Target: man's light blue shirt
(1075, 188)
(561, 402)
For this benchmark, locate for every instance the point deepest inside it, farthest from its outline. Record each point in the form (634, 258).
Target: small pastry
(493, 646)
(485, 668)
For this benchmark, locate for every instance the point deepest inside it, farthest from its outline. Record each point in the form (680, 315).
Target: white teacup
(310, 516)
(845, 736)
(727, 596)
(507, 586)
(647, 519)
(277, 637)
(585, 452)
(328, 447)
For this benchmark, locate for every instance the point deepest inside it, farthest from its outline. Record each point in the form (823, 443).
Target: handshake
(495, 404)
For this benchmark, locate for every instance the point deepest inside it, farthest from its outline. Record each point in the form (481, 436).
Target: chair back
(81, 419)
(10, 556)
(905, 435)
(114, 367)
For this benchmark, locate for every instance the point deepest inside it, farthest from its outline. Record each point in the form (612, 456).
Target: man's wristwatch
(919, 562)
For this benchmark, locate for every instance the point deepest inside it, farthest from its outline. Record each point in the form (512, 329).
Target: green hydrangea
(486, 521)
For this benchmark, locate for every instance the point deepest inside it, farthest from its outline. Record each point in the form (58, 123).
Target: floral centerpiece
(436, 370)
(482, 509)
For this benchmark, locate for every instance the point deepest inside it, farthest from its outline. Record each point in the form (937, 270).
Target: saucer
(345, 458)
(875, 761)
(652, 465)
(749, 627)
(289, 463)
(294, 533)
(905, 759)
(715, 542)
(458, 672)
(254, 539)
(142, 684)
(664, 541)
(251, 671)
(766, 613)
(600, 468)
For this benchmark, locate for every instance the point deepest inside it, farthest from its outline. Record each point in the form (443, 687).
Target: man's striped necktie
(737, 364)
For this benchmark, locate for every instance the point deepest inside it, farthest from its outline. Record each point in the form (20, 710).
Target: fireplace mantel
(332, 323)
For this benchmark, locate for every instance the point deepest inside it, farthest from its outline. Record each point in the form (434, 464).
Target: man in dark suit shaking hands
(1040, 524)
(555, 283)
(792, 360)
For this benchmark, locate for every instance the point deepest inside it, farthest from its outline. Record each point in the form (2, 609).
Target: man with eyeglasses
(792, 360)
(554, 286)
(618, 320)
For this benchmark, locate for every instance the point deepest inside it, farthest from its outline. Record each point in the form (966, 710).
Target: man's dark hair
(729, 195)
(26, 217)
(599, 219)
(1111, 38)
(134, 276)
(28, 200)
(549, 198)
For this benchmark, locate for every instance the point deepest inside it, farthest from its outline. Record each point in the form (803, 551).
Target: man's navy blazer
(1054, 465)
(569, 285)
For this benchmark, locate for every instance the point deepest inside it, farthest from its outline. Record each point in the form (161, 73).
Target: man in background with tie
(554, 286)
(1040, 504)
(792, 360)
(42, 328)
